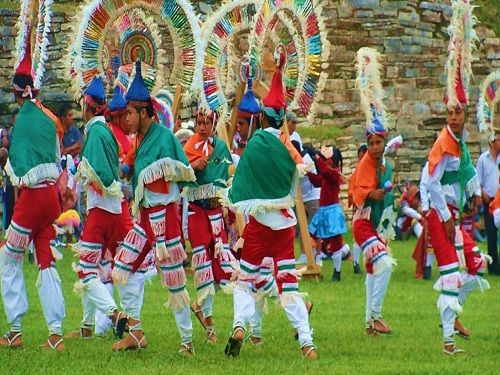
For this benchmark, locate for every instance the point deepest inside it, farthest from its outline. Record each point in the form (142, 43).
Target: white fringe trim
(167, 169)
(35, 175)
(384, 263)
(256, 206)
(206, 191)
(87, 174)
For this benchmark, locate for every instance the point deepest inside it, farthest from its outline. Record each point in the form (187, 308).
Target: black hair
(337, 158)
(272, 121)
(148, 107)
(362, 149)
(63, 110)
(15, 112)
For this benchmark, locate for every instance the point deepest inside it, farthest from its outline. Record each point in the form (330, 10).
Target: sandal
(369, 330)
(199, 314)
(235, 342)
(211, 335)
(58, 346)
(254, 340)
(309, 352)
(186, 350)
(131, 342)
(381, 327)
(82, 333)
(452, 350)
(461, 331)
(120, 323)
(13, 342)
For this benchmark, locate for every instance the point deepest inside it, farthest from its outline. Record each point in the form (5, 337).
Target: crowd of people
(144, 191)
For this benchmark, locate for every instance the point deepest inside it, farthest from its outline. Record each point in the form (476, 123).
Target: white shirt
(309, 191)
(487, 172)
(442, 195)
(275, 219)
(153, 199)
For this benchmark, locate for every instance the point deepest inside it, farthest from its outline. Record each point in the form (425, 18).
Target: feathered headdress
(463, 40)
(23, 77)
(370, 91)
(488, 98)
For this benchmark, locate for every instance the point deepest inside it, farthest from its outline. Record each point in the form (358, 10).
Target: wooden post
(177, 101)
(312, 271)
(234, 114)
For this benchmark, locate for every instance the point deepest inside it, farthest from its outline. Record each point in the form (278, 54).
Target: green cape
(214, 177)
(265, 177)
(32, 152)
(159, 155)
(99, 164)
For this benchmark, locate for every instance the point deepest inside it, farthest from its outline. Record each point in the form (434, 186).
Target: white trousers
(376, 288)
(245, 307)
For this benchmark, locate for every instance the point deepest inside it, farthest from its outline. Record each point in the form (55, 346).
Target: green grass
(488, 14)
(337, 319)
(320, 133)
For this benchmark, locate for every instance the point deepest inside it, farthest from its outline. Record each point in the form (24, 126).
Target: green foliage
(488, 14)
(337, 319)
(320, 132)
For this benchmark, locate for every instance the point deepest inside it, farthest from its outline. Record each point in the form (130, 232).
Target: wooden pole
(312, 271)
(177, 101)
(240, 91)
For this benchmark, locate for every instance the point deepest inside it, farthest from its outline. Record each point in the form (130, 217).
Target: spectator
(8, 191)
(72, 139)
(291, 122)
(487, 172)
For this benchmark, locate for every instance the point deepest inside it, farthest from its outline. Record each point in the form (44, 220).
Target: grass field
(337, 319)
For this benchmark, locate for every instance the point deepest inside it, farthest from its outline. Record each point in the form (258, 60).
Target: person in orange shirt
(156, 164)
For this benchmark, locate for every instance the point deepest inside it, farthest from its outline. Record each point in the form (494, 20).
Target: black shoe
(427, 272)
(233, 348)
(31, 257)
(336, 276)
(357, 269)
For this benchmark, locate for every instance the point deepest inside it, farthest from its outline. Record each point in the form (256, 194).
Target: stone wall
(410, 34)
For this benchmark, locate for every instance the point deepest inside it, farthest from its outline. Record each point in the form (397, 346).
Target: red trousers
(34, 213)
(262, 241)
(372, 245)
(101, 233)
(202, 235)
(446, 252)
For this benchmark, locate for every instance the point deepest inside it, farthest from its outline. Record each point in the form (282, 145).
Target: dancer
(450, 179)
(210, 159)
(372, 194)
(33, 168)
(156, 164)
(328, 225)
(266, 195)
(108, 219)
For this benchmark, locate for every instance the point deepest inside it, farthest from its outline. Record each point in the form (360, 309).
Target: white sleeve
(424, 193)
(410, 212)
(433, 186)
(479, 170)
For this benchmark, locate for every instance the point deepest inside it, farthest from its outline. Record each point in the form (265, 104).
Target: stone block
(408, 18)
(422, 41)
(385, 13)
(345, 10)
(364, 4)
(412, 72)
(392, 72)
(411, 49)
(363, 14)
(430, 16)
(392, 45)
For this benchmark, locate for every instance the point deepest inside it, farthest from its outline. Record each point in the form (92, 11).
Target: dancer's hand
(377, 195)
(200, 164)
(449, 226)
(239, 244)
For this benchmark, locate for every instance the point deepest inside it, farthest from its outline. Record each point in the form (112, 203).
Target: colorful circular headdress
(488, 98)
(114, 33)
(40, 35)
(307, 49)
(219, 62)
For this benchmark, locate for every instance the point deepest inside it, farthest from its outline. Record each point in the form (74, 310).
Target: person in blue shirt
(72, 139)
